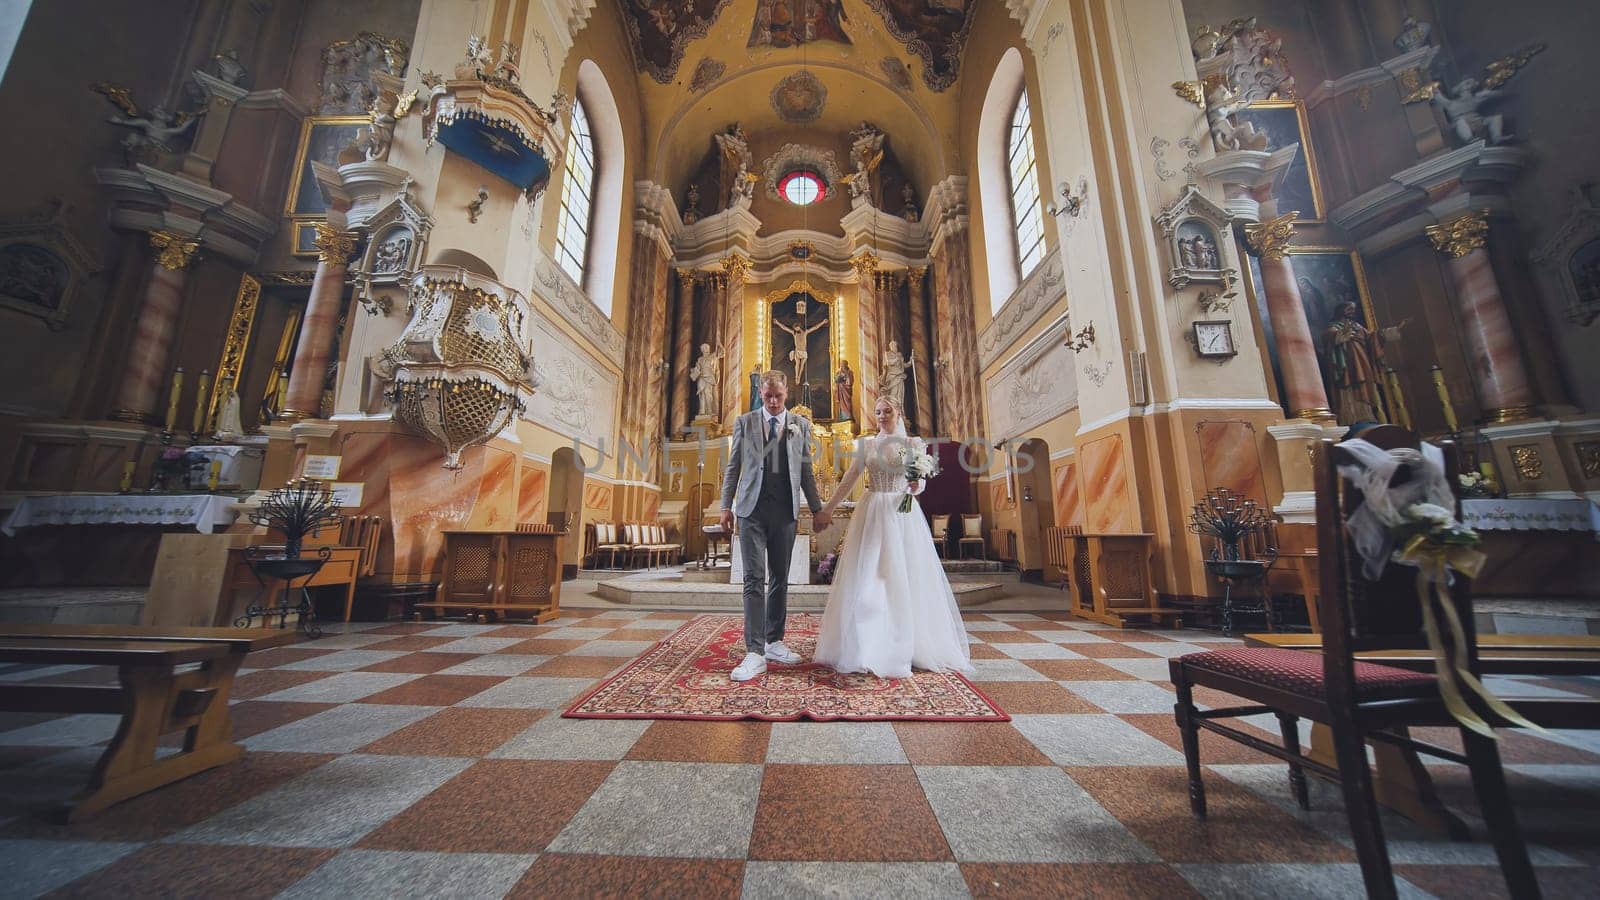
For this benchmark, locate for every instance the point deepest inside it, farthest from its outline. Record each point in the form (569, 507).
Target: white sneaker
(779, 653)
(752, 666)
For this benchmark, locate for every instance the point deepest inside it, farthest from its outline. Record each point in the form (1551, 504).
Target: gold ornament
(1270, 239)
(1192, 91)
(866, 263)
(333, 246)
(1527, 461)
(1588, 458)
(736, 268)
(1462, 235)
(1417, 86)
(177, 251)
(1500, 71)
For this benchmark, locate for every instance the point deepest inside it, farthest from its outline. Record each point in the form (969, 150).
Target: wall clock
(1213, 339)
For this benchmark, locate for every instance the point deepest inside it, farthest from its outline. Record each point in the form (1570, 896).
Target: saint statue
(704, 373)
(229, 425)
(1354, 354)
(892, 383)
(755, 386)
(844, 381)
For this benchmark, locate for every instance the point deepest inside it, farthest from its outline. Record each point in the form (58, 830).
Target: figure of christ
(798, 355)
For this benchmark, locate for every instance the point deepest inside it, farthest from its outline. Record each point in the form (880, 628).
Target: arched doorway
(1037, 504)
(565, 505)
(701, 496)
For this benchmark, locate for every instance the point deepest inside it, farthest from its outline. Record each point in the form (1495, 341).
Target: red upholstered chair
(1356, 700)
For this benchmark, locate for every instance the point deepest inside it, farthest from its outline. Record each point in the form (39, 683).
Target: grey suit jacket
(748, 464)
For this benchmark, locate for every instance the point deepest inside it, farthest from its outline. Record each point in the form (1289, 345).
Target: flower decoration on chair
(920, 465)
(297, 509)
(460, 366)
(1229, 518)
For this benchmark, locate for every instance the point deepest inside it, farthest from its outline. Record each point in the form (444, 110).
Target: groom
(769, 465)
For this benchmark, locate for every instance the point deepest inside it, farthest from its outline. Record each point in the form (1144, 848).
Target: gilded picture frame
(305, 239)
(1285, 122)
(322, 138)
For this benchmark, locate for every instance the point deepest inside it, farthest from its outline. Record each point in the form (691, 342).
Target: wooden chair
(609, 542)
(941, 535)
(1356, 700)
(972, 533)
(365, 532)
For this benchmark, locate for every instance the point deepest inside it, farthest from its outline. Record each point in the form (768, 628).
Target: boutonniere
(794, 429)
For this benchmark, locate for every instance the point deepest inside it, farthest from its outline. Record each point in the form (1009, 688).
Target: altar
(205, 513)
(799, 561)
(93, 540)
(1536, 547)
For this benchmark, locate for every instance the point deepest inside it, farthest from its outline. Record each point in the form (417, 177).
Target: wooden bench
(497, 574)
(153, 697)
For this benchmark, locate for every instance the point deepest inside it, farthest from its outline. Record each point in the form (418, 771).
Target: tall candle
(1401, 414)
(172, 401)
(215, 475)
(127, 477)
(200, 398)
(1444, 400)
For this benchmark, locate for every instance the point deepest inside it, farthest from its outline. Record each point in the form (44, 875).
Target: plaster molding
(1473, 164)
(1044, 286)
(1388, 70)
(276, 98)
(553, 285)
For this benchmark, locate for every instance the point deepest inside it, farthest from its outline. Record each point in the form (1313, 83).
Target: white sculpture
(1461, 107)
(229, 426)
(892, 383)
(1413, 34)
(704, 374)
(1222, 106)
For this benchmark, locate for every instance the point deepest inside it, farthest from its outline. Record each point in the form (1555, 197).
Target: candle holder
(298, 508)
(1233, 519)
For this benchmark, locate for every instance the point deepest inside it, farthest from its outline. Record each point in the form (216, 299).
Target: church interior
(374, 367)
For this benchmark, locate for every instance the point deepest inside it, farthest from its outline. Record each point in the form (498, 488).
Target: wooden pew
(152, 697)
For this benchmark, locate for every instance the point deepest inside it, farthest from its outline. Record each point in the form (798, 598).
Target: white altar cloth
(205, 512)
(241, 466)
(1531, 514)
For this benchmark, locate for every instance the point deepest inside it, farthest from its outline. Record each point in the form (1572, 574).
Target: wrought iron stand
(1241, 572)
(276, 563)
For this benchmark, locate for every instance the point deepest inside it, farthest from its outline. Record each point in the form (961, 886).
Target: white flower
(924, 464)
(1429, 512)
(794, 429)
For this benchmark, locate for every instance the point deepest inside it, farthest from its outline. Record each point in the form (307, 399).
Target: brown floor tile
(576, 667)
(1214, 748)
(1516, 747)
(1487, 882)
(676, 616)
(984, 651)
(637, 634)
(435, 690)
(459, 731)
(267, 681)
(523, 632)
(1036, 624)
(861, 813)
(580, 613)
(252, 717)
(1112, 634)
(1103, 881)
(557, 876)
(1076, 670)
(967, 744)
(542, 647)
(411, 642)
(282, 656)
(404, 628)
(496, 806)
(722, 742)
(1153, 802)
(1216, 699)
(1010, 637)
(199, 870)
(1109, 650)
(1589, 687)
(420, 663)
(607, 622)
(1035, 697)
(170, 809)
(11, 720)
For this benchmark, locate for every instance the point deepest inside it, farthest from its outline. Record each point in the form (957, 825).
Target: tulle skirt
(890, 607)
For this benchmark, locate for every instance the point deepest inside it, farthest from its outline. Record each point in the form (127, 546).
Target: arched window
(1027, 216)
(577, 196)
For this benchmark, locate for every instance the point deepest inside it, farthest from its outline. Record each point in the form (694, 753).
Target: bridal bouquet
(919, 464)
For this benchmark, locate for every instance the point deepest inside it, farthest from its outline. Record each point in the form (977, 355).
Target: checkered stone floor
(431, 760)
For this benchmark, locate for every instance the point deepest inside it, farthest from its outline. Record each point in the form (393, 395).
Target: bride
(890, 607)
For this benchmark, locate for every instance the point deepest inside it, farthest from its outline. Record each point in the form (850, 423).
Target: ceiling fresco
(790, 23)
(934, 30)
(660, 29)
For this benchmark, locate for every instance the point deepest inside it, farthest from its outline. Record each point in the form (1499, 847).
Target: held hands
(821, 519)
(914, 486)
(727, 521)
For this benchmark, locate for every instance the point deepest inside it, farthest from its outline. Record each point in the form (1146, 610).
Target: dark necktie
(772, 429)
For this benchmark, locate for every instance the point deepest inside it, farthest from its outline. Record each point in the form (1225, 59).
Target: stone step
(668, 588)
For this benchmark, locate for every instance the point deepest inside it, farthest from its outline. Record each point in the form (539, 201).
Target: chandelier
(458, 371)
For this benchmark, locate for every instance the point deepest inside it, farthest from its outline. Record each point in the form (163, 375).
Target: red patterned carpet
(685, 676)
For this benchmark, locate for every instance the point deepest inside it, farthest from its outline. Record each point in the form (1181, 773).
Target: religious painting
(305, 239)
(1348, 339)
(895, 70)
(799, 97)
(801, 342)
(322, 139)
(32, 276)
(935, 30)
(1584, 269)
(1284, 123)
(708, 71)
(790, 23)
(661, 29)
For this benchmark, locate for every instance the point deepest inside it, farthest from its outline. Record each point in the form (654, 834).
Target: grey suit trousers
(766, 540)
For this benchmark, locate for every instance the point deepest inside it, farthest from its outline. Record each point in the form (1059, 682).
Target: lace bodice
(885, 473)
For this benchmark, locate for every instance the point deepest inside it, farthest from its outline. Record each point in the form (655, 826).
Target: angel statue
(153, 129)
(1461, 107)
(704, 374)
(1222, 106)
(892, 383)
(374, 140)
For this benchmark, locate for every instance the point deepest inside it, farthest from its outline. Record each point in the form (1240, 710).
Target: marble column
(732, 333)
(156, 329)
(314, 349)
(656, 339)
(682, 351)
(1504, 388)
(921, 353)
(1307, 397)
(954, 293)
(866, 266)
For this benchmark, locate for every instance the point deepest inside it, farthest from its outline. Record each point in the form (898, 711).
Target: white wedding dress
(890, 607)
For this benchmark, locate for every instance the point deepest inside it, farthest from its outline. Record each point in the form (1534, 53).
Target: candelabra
(296, 509)
(1231, 519)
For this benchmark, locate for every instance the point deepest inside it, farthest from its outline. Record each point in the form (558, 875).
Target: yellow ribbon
(1433, 562)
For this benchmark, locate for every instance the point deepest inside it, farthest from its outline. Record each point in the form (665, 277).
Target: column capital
(1460, 236)
(865, 263)
(686, 277)
(1270, 239)
(177, 251)
(917, 273)
(736, 268)
(334, 245)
